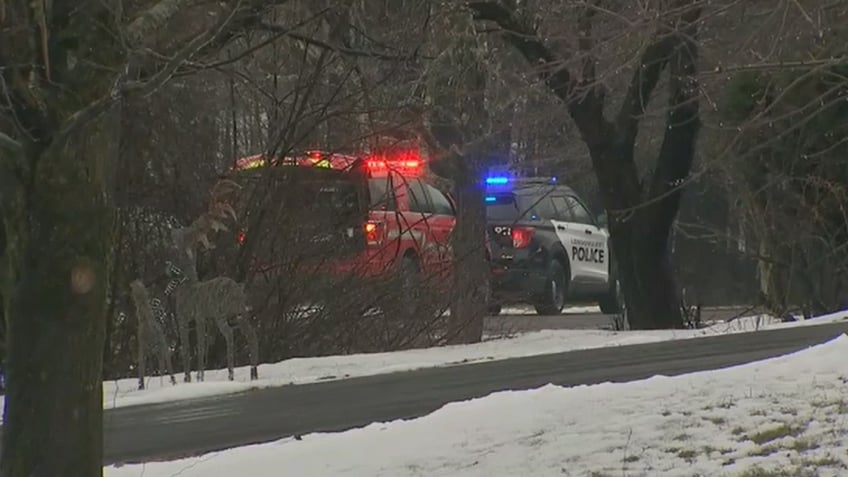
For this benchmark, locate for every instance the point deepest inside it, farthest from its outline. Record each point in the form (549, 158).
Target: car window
(563, 209)
(418, 200)
(501, 207)
(382, 194)
(541, 207)
(441, 204)
(579, 213)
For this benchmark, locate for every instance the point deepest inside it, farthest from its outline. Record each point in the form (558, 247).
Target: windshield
(501, 207)
(381, 197)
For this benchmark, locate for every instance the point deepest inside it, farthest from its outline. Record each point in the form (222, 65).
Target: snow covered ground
(781, 417)
(304, 370)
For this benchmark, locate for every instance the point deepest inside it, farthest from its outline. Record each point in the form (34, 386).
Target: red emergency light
(406, 163)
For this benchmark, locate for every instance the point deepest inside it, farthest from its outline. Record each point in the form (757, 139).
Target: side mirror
(602, 220)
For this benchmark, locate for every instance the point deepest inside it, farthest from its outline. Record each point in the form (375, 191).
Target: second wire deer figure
(219, 298)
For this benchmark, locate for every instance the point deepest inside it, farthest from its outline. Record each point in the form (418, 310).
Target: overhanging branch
(653, 61)
(677, 152)
(122, 87)
(586, 108)
(153, 19)
(331, 47)
(523, 38)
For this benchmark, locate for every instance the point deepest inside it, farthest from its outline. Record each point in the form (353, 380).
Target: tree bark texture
(60, 235)
(471, 270)
(458, 124)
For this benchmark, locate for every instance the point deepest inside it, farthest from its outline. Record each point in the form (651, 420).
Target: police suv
(546, 247)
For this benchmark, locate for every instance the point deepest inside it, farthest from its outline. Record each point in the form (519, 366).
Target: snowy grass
(785, 416)
(125, 392)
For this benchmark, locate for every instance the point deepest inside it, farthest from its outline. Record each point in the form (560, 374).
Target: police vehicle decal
(587, 250)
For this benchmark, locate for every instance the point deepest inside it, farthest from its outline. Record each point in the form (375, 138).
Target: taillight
(374, 232)
(241, 237)
(521, 237)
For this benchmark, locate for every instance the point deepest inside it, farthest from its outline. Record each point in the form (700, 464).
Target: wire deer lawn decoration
(219, 298)
(150, 327)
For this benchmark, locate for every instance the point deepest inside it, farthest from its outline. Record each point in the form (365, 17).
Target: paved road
(523, 319)
(166, 431)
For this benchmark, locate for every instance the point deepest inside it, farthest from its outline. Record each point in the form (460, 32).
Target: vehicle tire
(552, 300)
(610, 303)
(410, 274)
(409, 279)
(495, 310)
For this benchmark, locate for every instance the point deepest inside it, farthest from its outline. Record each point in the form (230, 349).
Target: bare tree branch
(585, 107)
(154, 19)
(677, 150)
(122, 87)
(524, 39)
(645, 79)
(336, 48)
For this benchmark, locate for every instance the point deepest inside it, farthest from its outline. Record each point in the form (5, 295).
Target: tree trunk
(646, 277)
(60, 234)
(470, 272)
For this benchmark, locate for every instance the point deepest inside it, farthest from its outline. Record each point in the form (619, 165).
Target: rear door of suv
(584, 241)
(299, 214)
(429, 225)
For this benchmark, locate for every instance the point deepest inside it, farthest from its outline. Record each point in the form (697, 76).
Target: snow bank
(786, 414)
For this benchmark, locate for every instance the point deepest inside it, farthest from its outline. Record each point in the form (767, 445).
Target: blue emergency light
(491, 199)
(498, 180)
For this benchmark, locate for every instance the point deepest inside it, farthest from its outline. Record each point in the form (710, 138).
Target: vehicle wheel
(495, 310)
(610, 303)
(553, 299)
(409, 277)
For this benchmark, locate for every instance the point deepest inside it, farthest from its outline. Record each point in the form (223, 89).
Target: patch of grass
(758, 412)
(665, 413)
(727, 404)
(778, 432)
(595, 473)
(631, 458)
(708, 450)
(802, 445)
(758, 471)
(823, 461)
(681, 437)
(738, 430)
(841, 405)
(717, 420)
(723, 451)
(687, 454)
(764, 451)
